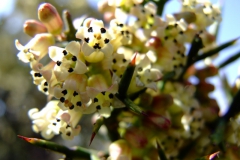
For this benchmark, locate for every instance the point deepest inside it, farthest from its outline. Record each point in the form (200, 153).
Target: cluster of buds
(137, 62)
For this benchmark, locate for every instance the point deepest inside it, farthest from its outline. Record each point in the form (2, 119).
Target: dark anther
(122, 32)
(106, 40)
(68, 126)
(45, 89)
(64, 92)
(121, 25)
(75, 93)
(114, 70)
(140, 69)
(37, 75)
(70, 70)
(103, 30)
(58, 120)
(54, 124)
(62, 99)
(68, 134)
(175, 41)
(86, 40)
(98, 107)
(45, 84)
(103, 93)
(175, 25)
(181, 32)
(74, 58)
(79, 103)
(114, 60)
(96, 46)
(59, 63)
(95, 100)
(64, 52)
(110, 96)
(90, 29)
(166, 37)
(71, 107)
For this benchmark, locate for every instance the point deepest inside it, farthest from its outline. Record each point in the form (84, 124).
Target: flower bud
(120, 150)
(49, 16)
(33, 27)
(207, 72)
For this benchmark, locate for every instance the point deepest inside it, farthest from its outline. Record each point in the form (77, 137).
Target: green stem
(70, 31)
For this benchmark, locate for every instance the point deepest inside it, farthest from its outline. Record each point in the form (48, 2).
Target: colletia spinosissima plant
(133, 73)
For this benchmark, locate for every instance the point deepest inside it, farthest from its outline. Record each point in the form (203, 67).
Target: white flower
(73, 95)
(102, 96)
(66, 123)
(95, 41)
(146, 20)
(36, 48)
(144, 75)
(67, 60)
(42, 119)
(121, 34)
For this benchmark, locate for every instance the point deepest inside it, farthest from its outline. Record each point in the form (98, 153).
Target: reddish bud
(49, 16)
(207, 72)
(33, 27)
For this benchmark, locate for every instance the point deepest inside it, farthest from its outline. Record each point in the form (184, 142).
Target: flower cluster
(97, 70)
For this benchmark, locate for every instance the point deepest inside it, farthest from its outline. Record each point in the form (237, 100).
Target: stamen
(98, 107)
(90, 29)
(86, 40)
(75, 93)
(45, 84)
(95, 100)
(106, 40)
(79, 103)
(103, 30)
(111, 96)
(64, 92)
(62, 99)
(74, 58)
(64, 52)
(59, 63)
(70, 70)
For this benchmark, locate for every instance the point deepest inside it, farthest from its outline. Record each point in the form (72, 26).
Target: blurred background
(18, 94)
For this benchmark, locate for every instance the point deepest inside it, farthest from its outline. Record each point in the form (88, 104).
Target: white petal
(107, 49)
(56, 53)
(80, 67)
(18, 45)
(86, 49)
(74, 48)
(80, 33)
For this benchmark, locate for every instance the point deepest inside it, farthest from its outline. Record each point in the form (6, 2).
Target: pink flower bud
(49, 16)
(33, 27)
(120, 150)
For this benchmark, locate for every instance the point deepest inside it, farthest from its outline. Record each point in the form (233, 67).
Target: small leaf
(229, 60)
(96, 127)
(75, 152)
(126, 78)
(215, 50)
(161, 153)
(133, 107)
(197, 44)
